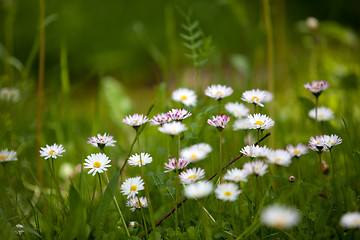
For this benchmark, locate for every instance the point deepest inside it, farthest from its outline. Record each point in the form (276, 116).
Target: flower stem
(101, 192)
(143, 216)
(316, 113)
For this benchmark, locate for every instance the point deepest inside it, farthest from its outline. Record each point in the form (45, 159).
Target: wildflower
(192, 154)
(174, 164)
(237, 109)
(323, 114)
(102, 140)
(260, 122)
(185, 96)
(6, 155)
(97, 162)
(291, 179)
(241, 124)
(254, 151)
(324, 167)
(268, 96)
(204, 147)
(279, 157)
(318, 144)
(137, 202)
(134, 160)
(278, 216)
(298, 150)
(132, 186)
(312, 23)
(258, 168)
(236, 175)
(331, 141)
(218, 91)
(219, 121)
(227, 191)
(256, 96)
(18, 230)
(317, 87)
(192, 175)
(198, 189)
(178, 114)
(160, 119)
(135, 120)
(52, 151)
(173, 128)
(350, 220)
(10, 94)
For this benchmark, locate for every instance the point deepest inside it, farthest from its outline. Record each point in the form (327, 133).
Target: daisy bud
(324, 167)
(291, 179)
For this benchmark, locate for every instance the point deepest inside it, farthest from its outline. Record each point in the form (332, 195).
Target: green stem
(143, 216)
(101, 192)
(316, 113)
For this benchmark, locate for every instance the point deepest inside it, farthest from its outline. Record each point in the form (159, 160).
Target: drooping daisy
(134, 160)
(218, 91)
(193, 154)
(6, 155)
(198, 189)
(137, 203)
(219, 121)
(255, 151)
(192, 175)
(173, 128)
(241, 124)
(278, 216)
(260, 121)
(135, 120)
(236, 175)
(298, 150)
(97, 162)
(174, 164)
(237, 109)
(279, 157)
(258, 167)
(227, 191)
(318, 144)
(323, 114)
(160, 119)
(350, 220)
(331, 141)
(256, 96)
(178, 114)
(52, 151)
(185, 96)
(131, 186)
(317, 87)
(102, 140)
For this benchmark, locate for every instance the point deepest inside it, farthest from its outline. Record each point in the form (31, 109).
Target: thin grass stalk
(101, 190)
(143, 216)
(316, 113)
(204, 220)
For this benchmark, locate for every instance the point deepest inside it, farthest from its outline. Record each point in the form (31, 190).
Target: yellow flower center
(331, 143)
(219, 94)
(136, 120)
(142, 162)
(193, 156)
(279, 223)
(321, 117)
(97, 164)
(318, 143)
(259, 123)
(255, 99)
(316, 87)
(184, 97)
(133, 188)
(52, 152)
(138, 204)
(2, 157)
(278, 159)
(237, 177)
(101, 139)
(257, 169)
(296, 151)
(192, 176)
(174, 131)
(227, 193)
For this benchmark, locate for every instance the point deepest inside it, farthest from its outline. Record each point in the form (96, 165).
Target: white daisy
(259, 121)
(185, 96)
(279, 157)
(178, 114)
(258, 167)
(6, 155)
(331, 141)
(198, 189)
(236, 175)
(350, 220)
(134, 160)
(298, 150)
(191, 175)
(218, 91)
(204, 147)
(131, 186)
(316, 87)
(135, 120)
(323, 114)
(278, 216)
(318, 144)
(160, 119)
(137, 203)
(255, 151)
(173, 128)
(97, 162)
(102, 140)
(173, 164)
(192, 154)
(256, 96)
(220, 121)
(52, 151)
(237, 109)
(227, 191)
(241, 124)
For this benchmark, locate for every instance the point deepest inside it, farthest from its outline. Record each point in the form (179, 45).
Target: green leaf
(6, 231)
(29, 230)
(193, 25)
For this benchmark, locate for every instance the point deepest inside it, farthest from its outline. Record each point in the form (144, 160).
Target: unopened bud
(291, 179)
(324, 167)
(312, 23)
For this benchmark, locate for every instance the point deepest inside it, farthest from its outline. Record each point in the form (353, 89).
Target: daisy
(204, 147)
(316, 87)
(254, 151)
(135, 120)
(241, 124)
(236, 175)
(256, 96)
(350, 220)
(178, 114)
(268, 96)
(132, 186)
(318, 144)
(191, 175)
(279, 157)
(6, 155)
(259, 121)
(101, 140)
(278, 216)
(192, 154)
(52, 151)
(173, 128)
(10, 94)
(198, 189)
(160, 119)
(218, 91)
(173, 164)
(237, 109)
(298, 150)
(323, 114)
(258, 167)
(97, 163)
(219, 121)
(227, 191)
(331, 141)
(137, 203)
(185, 96)
(134, 160)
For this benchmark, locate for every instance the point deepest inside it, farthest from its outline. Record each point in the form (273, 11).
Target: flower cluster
(324, 142)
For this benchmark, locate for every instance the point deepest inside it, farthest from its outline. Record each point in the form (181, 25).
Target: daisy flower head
(193, 154)
(323, 114)
(134, 160)
(160, 119)
(218, 91)
(317, 87)
(101, 140)
(238, 110)
(6, 155)
(298, 150)
(52, 151)
(331, 141)
(219, 121)
(178, 114)
(268, 96)
(198, 189)
(131, 186)
(260, 121)
(350, 220)
(254, 151)
(135, 120)
(318, 144)
(227, 191)
(278, 216)
(256, 96)
(173, 128)
(185, 96)
(191, 175)
(236, 175)
(241, 124)
(204, 147)
(174, 164)
(97, 162)
(137, 203)
(258, 168)
(279, 157)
